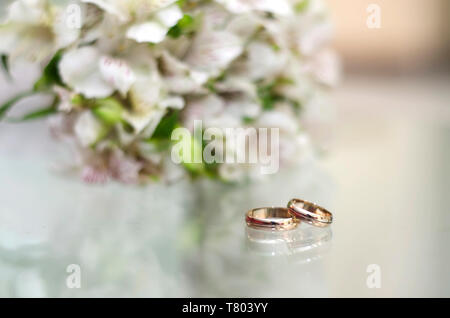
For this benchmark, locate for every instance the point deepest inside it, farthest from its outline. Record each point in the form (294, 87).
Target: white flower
(277, 119)
(263, 61)
(79, 69)
(238, 58)
(94, 175)
(243, 107)
(117, 73)
(93, 75)
(65, 98)
(280, 7)
(87, 129)
(179, 77)
(146, 92)
(302, 84)
(126, 10)
(62, 125)
(35, 29)
(205, 108)
(169, 16)
(315, 38)
(151, 32)
(237, 84)
(175, 102)
(326, 67)
(212, 51)
(147, 121)
(155, 31)
(27, 11)
(123, 168)
(244, 25)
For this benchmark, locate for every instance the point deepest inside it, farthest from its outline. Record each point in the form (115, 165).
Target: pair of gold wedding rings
(282, 219)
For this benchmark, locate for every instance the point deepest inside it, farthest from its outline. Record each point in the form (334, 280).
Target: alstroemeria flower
(278, 119)
(150, 107)
(147, 90)
(325, 66)
(152, 19)
(65, 98)
(126, 10)
(124, 168)
(212, 110)
(87, 129)
(136, 64)
(179, 77)
(263, 61)
(237, 84)
(314, 38)
(35, 29)
(212, 51)
(93, 75)
(155, 30)
(280, 7)
(117, 73)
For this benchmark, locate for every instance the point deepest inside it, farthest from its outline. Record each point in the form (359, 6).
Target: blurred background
(385, 176)
(413, 36)
(391, 153)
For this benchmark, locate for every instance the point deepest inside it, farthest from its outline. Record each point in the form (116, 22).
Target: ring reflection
(305, 244)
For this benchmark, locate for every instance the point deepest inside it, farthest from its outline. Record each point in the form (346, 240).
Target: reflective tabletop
(384, 177)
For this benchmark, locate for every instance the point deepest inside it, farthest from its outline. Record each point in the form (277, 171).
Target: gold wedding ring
(278, 219)
(282, 219)
(311, 212)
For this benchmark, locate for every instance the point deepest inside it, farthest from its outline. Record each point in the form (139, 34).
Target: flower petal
(123, 168)
(175, 102)
(117, 73)
(79, 68)
(27, 11)
(280, 7)
(65, 33)
(263, 61)
(169, 16)
(114, 7)
(146, 121)
(151, 32)
(214, 50)
(87, 129)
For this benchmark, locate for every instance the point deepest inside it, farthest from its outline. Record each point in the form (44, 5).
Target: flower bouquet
(124, 74)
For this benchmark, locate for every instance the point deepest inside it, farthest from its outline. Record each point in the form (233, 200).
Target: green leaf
(248, 120)
(159, 145)
(301, 6)
(10, 103)
(78, 100)
(192, 167)
(181, 3)
(167, 124)
(50, 75)
(36, 114)
(211, 83)
(108, 110)
(183, 26)
(5, 65)
(267, 96)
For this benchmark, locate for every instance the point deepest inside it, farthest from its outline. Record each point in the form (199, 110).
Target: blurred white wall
(413, 34)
